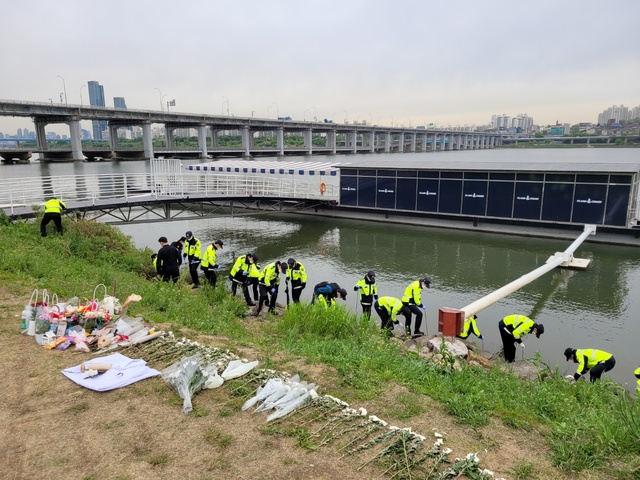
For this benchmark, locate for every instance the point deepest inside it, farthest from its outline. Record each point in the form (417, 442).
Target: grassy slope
(587, 428)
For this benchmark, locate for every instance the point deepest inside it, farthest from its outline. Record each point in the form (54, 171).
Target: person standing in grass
(193, 255)
(53, 209)
(209, 264)
(239, 275)
(167, 266)
(179, 244)
(590, 360)
(512, 328)
(387, 309)
(269, 282)
(368, 291)
(412, 299)
(298, 276)
(637, 374)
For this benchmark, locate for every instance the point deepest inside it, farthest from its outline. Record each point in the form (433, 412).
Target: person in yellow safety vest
(209, 265)
(269, 282)
(637, 374)
(239, 274)
(387, 309)
(154, 260)
(52, 212)
(298, 276)
(470, 327)
(326, 293)
(193, 254)
(412, 299)
(368, 291)
(512, 328)
(598, 361)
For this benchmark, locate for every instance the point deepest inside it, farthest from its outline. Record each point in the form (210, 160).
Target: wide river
(596, 308)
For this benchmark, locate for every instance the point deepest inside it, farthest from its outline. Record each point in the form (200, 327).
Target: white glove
(522, 345)
(569, 378)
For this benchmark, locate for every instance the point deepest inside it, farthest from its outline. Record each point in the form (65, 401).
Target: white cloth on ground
(124, 371)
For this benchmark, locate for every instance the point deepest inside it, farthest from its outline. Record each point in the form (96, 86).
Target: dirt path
(51, 428)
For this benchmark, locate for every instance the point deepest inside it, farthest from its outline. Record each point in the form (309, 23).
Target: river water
(596, 308)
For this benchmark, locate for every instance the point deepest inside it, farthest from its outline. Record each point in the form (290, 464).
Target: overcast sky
(405, 62)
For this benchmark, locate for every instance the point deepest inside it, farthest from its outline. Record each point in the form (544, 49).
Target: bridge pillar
(202, 141)
(246, 141)
(434, 144)
(308, 141)
(41, 136)
(76, 139)
(387, 142)
(168, 135)
(147, 140)
(372, 141)
(354, 141)
(113, 137)
(423, 142)
(401, 143)
(466, 142)
(331, 141)
(280, 141)
(413, 142)
(214, 137)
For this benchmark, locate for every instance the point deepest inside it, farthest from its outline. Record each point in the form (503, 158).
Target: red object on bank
(450, 321)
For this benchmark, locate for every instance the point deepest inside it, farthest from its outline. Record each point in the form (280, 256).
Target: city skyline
(412, 63)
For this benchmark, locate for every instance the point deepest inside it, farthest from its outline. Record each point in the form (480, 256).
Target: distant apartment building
(96, 99)
(118, 102)
(617, 114)
(500, 122)
(522, 123)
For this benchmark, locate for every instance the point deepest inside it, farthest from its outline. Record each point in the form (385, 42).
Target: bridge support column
(413, 143)
(354, 141)
(331, 141)
(41, 136)
(76, 139)
(147, 140)
(202, 141)
(423, 143)
(168, 135)
(246, 141)
(214, 138)
(434, 142)
(387, 142)
(308, 141)
(113, 137)
(401, 143)
(372, 141)
(280, 141)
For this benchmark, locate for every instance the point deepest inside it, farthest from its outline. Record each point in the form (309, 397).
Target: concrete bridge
(336, 138)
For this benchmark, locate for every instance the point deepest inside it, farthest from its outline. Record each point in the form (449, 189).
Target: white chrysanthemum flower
(313, 394)
(363, 411)
(472, 456)
(487, 472)
(407, 429)
(393, 427)
(447, 451)
(437, 435)
(438, 442)
(422, 438)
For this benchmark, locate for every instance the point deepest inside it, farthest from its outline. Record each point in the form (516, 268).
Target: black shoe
(417, 335)
(251, 304)
(195, 286)
(255, 314)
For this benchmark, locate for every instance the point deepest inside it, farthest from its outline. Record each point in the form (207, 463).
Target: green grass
(587, 426)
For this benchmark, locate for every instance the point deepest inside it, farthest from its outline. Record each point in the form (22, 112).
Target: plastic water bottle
(27, 313)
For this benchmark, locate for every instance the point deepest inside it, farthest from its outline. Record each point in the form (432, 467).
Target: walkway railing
(21, 196)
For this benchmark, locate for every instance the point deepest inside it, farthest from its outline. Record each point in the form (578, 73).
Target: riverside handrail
(25, 195)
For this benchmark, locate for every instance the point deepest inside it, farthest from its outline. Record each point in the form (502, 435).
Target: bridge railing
(20, 196)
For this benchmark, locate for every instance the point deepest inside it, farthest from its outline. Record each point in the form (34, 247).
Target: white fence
(19, 195)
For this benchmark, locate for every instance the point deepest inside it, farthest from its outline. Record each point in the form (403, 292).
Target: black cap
(343, 293)
(189, 234)
(568, 352)
(426, 281)
(291, 262)
(254, 256)
(219, 242)
(539, 329)
(371, 274)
